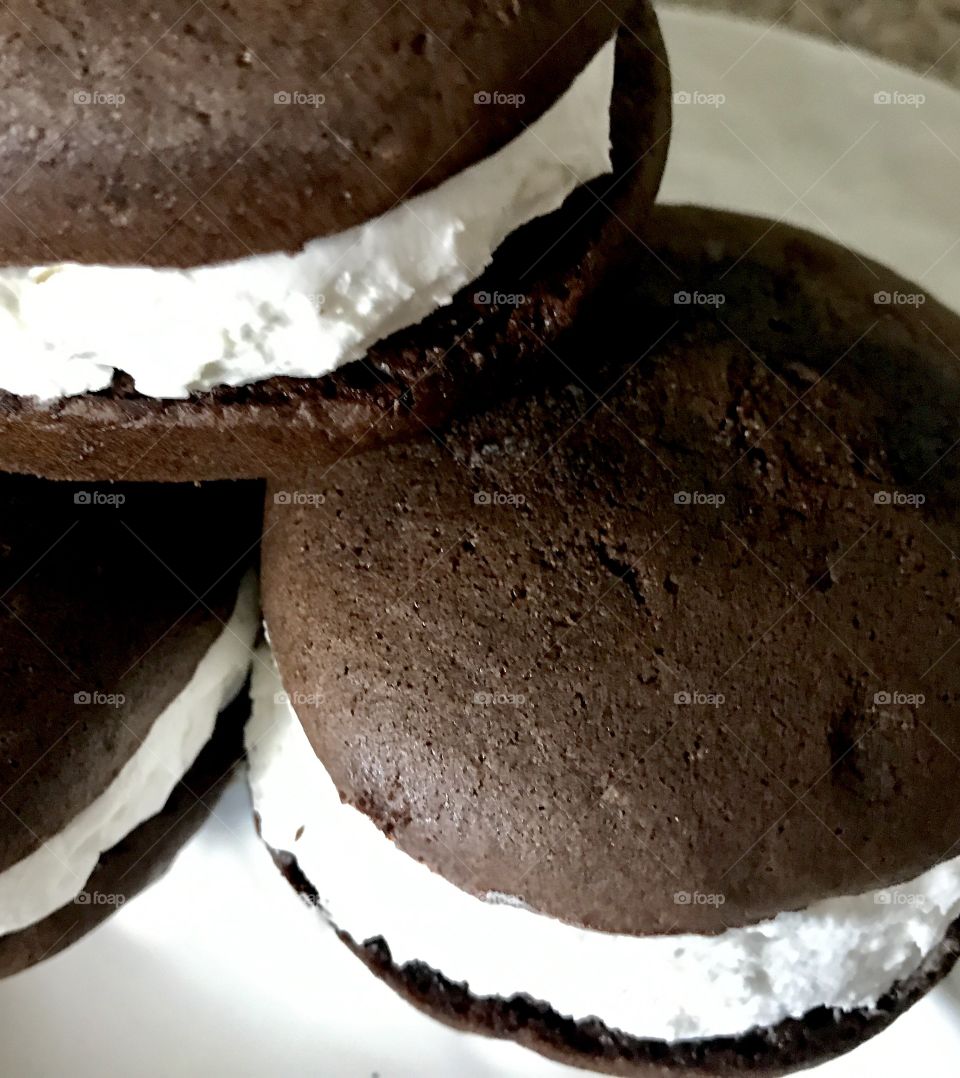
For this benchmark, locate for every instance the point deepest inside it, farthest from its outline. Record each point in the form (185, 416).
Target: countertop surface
(921, 34)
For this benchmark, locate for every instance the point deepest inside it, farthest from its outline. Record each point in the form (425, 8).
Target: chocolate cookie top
(170, 135)
(665, 646)
(468, 350)
(109, 598)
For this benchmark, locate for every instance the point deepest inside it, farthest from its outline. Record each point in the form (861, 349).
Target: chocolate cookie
(479, 345)
(658, 652)
(164, 136)
(126, 619)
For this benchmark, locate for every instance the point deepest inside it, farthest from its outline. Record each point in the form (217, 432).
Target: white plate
(219, 970)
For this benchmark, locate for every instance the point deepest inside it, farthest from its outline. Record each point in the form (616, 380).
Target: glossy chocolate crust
(793, 1045)
(143, 856)
(419, 376)
(553, 665)
(153, 134)
(105, 612)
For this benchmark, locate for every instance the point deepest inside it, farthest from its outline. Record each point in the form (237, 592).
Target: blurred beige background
(922, 34)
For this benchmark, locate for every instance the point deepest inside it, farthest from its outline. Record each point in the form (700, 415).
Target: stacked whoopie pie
(290, 246)
(610, 700)
(127, 617)
(228, 249)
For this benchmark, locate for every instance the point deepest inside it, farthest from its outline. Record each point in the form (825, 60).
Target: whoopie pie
(243, 240)
(127, 618)
(618, 719)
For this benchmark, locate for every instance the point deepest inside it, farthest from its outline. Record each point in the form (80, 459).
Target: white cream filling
(64, 329)
(843, 953)
(56, 872)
